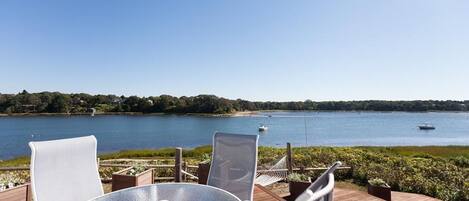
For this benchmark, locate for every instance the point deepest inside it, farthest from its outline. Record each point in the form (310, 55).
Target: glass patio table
(169, 192)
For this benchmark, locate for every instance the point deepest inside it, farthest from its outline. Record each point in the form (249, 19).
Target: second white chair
(322, 189)
(234, 164)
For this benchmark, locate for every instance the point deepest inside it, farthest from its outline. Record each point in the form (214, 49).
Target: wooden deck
(263, 194)
(411, 196)
(351, 195)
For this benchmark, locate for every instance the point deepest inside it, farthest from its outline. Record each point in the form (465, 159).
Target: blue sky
(255, 50)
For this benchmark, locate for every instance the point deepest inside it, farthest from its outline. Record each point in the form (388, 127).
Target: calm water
(322, 128)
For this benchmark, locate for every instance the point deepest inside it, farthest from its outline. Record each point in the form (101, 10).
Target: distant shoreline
(234, 114)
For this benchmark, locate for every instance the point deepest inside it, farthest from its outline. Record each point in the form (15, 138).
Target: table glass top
(169, 192)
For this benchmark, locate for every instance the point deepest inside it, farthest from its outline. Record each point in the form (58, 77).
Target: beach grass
(151, 153)
(16, 162)
(446, 152)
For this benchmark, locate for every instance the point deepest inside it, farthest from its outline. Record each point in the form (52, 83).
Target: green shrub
(206, 158)
(136, 169)
(378, 182)
(12, 179)
(296, 177)
(461, 161)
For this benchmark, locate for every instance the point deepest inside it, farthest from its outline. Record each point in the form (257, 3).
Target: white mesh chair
(65, 170)
(321, 189)
(234, 164)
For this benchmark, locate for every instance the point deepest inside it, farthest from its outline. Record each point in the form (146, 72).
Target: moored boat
(426, 127)
(263, 128)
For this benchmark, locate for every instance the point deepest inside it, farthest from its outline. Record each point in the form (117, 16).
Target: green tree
(59, 104)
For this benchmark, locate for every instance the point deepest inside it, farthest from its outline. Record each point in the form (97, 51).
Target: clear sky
(255, 50)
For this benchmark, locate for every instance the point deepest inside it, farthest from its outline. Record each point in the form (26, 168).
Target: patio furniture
(65, 170)
(322, 188)
(234, 164)
(169, 192)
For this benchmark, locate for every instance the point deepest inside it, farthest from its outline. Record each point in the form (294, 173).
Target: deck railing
(181, 168)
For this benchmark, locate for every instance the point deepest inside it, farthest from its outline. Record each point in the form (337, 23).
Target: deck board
(262, 194)
(340, 194)
(352, 195)
(410, 196)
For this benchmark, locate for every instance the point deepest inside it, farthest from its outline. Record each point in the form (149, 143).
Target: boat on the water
(426, 126)
(93, 111)
(263, 128)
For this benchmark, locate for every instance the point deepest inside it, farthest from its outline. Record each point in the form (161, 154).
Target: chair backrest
(234, 164)
(65, 170)
(321, 189)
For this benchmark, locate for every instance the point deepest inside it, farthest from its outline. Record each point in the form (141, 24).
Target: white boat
(426, 126)
(93, 111)
(263, 128)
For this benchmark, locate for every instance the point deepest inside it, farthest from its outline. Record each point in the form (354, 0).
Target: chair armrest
(309, 195)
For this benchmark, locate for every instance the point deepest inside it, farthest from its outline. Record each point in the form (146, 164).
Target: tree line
(55, 102)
